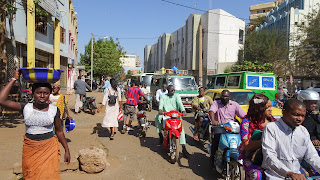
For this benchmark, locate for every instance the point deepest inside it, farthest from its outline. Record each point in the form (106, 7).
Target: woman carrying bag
(111, 99)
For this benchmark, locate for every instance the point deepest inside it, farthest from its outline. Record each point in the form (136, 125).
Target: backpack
(112, 99)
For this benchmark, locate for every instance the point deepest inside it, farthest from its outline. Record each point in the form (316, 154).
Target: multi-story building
(286, 17)
(44, 36)
(222, 38)
(73, 47)
(261, 10)
(130, 62)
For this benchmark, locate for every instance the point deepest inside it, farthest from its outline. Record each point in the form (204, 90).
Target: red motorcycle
(172, 130)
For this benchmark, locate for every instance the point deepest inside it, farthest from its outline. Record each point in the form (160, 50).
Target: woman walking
(59, 100)
(111, 99)
(41, 149)
(259, 115)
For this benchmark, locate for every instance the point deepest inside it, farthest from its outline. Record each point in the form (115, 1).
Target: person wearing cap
(312, 119)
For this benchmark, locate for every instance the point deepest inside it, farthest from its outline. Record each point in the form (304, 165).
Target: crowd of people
(288, 147)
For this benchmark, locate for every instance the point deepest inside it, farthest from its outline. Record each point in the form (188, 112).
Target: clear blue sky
(130, 19)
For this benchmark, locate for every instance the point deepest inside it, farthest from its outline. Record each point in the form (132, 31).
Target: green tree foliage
(307, 52)
(263, 47)
(129, 74)
(106, 57)
(255, 23)
(254, 66)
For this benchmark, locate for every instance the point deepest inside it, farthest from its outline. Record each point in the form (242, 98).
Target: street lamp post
(91, 59)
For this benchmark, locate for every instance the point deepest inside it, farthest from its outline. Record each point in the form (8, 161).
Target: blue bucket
(40, 75)
(70, 124)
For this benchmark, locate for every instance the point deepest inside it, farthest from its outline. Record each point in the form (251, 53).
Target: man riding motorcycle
(222, 111)
(199, 103)
(168, 102)
(312, 119)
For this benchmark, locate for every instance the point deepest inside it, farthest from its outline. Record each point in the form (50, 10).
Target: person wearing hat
(41, 149)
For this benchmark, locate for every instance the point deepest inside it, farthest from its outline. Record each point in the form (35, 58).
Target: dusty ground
(130, 156)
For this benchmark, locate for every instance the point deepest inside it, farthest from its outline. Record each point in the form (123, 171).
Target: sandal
(112, 137)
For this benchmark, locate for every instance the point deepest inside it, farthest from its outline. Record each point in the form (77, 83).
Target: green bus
(264, 83)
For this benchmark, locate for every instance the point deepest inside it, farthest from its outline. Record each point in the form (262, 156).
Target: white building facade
(222, 38)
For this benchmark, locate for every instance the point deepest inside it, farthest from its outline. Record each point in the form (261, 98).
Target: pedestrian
(132, 95)
(59, 100)
(106, 84)
(111, 100)
(160, 92)
(285, 144)
(80, 91)
(41, 149)
(259, 114)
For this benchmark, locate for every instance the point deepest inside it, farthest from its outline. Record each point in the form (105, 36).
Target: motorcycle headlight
(233, 143)
(174, 115)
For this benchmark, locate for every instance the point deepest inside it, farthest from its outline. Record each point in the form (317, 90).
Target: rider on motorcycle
(199, 103)
(223, 110)
(168, 102)
(312, 119)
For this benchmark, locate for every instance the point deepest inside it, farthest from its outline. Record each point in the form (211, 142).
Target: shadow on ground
(10, 121)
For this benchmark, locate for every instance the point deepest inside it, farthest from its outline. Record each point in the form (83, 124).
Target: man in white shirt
(285, 144)
(160, 92)
(145, 89)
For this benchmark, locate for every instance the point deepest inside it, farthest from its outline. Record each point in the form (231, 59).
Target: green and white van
(264, 83)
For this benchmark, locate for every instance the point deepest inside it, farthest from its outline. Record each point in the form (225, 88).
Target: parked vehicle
(89, 104)
(184, 85)
(172, 129)
(226, 157)
(242, 97)
(26, 95)
(264, 83)
(142, 118)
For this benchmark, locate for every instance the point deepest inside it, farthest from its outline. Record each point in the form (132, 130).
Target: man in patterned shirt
(132, 95)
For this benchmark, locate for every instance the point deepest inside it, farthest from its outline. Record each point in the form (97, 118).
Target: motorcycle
(172, 129)
(26, 95)
(203, 130)
(89, 103)
(226, 157)
(144, 124)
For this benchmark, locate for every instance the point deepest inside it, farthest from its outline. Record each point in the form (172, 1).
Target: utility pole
(91, 59)
(200, 55)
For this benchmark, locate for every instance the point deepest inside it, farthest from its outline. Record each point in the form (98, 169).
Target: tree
(106, 57)
(129, 74)
(306, 53)
(253, 66)
(265, 46)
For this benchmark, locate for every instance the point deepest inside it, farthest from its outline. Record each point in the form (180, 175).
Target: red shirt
(133, 95)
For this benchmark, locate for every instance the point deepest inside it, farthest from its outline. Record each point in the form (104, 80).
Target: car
(242, 97)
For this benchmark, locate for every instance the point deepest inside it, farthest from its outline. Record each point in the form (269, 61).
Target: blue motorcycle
(226, 157)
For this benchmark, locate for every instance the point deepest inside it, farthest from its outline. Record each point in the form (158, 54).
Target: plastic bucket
(70, 124)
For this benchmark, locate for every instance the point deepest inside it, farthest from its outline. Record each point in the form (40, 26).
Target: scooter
(89, 103)
(226, 157)
(144, 124)
(172, 129)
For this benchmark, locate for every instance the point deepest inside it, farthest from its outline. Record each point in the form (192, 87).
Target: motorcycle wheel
(174, 153)
(143, 133)
(93, 111)
(236, 171)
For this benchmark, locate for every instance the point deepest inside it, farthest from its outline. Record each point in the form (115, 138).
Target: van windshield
(146, 80)
(182, 83)
(242, 98)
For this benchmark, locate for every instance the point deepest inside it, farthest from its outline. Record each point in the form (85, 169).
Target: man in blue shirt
(106, 84)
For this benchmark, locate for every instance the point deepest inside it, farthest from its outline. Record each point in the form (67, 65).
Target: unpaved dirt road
(130, 156)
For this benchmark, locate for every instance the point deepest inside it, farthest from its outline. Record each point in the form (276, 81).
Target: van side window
(220, 81)
(234, 81)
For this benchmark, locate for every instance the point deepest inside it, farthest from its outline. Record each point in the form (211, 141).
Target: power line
(189, 7)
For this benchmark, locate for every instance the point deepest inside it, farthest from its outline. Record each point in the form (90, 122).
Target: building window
(41, 24)
(241, 34)
(62, 35)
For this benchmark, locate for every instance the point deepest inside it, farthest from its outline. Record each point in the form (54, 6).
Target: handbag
(120, 115)
(256, 157)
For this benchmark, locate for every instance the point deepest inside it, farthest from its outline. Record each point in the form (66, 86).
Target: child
(59, 100)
